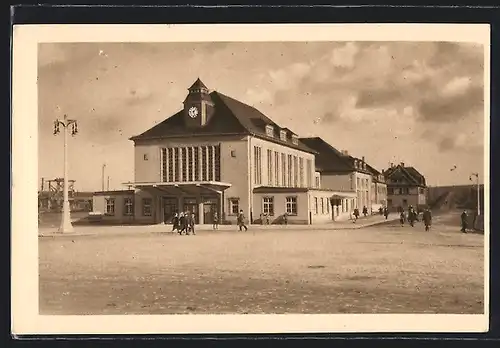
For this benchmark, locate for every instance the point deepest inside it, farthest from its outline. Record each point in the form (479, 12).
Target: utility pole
(66, 226)
(107, 186)
(102, 179)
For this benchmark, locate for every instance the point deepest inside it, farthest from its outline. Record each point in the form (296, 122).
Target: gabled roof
(231, 117)
(198, 84)
(410, 173)
(329, 159)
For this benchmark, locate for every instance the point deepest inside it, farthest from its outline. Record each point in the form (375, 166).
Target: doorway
(191, 206)
(169, 209)
(210, 207)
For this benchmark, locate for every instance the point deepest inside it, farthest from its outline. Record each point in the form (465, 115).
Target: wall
(329, 213)
(99, 205)
(340, 182)
(302, 216)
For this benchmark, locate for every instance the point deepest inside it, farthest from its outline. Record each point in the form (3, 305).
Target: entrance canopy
(183, 188)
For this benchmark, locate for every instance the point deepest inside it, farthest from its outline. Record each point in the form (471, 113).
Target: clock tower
(198, 105)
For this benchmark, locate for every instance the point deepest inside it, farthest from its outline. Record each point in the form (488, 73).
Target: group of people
(413, 216)
(183, 223)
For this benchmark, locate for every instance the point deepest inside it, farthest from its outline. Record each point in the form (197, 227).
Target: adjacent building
(405, 186)
(378, 189)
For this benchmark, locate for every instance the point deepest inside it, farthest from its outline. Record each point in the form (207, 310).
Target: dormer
(270, 131)
(198, 105)
(283, 135)
(295, 139)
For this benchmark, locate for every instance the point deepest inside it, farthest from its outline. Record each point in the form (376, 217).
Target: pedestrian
(381, 211)
(285, 218)
(386, 212)
(175, 223)
(191, 223)
(402, 217)
(427, 218)
(463, 218)
(215, 224)
(182, 223)
(365, 211)
(267, 219)
(241, 221)
(356, 214)
(411, 216)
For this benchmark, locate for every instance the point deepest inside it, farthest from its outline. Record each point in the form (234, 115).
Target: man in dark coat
(175, 223)
(411, 216)
(386, 212)
(463, 218)
(365, 211)
(427, 218)
(402, 217)
(356, 214)
(190, 221)
(241, 221)
(182, 223)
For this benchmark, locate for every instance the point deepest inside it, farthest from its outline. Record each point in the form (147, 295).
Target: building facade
(219, 155)
(405, 187)
(378, 189)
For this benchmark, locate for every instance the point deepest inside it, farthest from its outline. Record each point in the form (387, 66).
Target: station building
(218, 154)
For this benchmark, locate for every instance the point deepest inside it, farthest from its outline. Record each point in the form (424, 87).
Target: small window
(146, 157)
(315, 205)
(406, 191)
(233, 153)
(147, 206)
(421, 191)
(283, 135)
(295, 140)
(110, 206)
(291, 205)
(269, 131)
(128, 207)
(234, 206)
(390, 191)
(268, 206)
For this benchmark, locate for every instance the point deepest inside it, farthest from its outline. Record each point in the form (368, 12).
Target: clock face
(193, 111)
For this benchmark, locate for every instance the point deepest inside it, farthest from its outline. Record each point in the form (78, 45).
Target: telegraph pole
(66, 226)
(103, 169)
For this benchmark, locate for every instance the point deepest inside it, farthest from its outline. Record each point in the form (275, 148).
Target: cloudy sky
(418, 103)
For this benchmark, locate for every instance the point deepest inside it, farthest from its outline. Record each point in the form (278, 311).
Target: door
(191, 206)
(169, 209)
(209, 210)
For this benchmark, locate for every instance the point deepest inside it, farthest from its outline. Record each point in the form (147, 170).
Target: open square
(379, 269)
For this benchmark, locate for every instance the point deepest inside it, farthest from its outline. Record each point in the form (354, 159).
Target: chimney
(392, 165)
(402, 164)
(363, 159)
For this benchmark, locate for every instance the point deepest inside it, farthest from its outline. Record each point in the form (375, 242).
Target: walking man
(427, 217)
(356, 214)
(386, 212)
(365, 211)
(463, 218)
(191, 223)
(215, 224)
(175, 223)
(241, 221)
(182, 223)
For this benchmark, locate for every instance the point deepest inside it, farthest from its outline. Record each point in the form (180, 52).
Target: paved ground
(381, 269)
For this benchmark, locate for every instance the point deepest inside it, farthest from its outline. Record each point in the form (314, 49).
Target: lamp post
(66, 226)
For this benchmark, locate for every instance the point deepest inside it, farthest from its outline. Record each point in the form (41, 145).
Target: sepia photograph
(301, 173)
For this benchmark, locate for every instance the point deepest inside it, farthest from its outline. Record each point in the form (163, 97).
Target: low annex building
(219, 155)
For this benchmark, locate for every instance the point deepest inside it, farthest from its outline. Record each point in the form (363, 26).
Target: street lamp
(68, 125)
(478, 192)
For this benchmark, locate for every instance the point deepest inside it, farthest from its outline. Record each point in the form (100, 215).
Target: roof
(414, 176)
(198, 84)
(114, 193)
(329, 159)
(231, 117)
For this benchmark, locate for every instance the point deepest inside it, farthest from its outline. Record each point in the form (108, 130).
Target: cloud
(344, 57)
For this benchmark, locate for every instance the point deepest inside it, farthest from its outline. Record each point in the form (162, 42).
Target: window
(190, 161)
(295, 140)
(196, 163)
(315, 205)
(184, 164)
(269, 131)
(257, 153)
(233, 153)
(128, 206)
(146, 206)
(170, 162)
(164, 162)
(389, 202)
(283, 135)
(405, 201)
(176, 164)
(295, 171)
(322, 206)
(283, 170)
(390, 191)
(234, 206)
(270, 173)
(309, 172)
(204, 163)
(291, 205)
(110, 206)
(327, 203)
(301, 172)
(211, 157)
(268, 205)
(276, 168)
(406, 191)
(290, 173)
(421, 190)
(316, 181)
(358, 181)
(145, 157)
